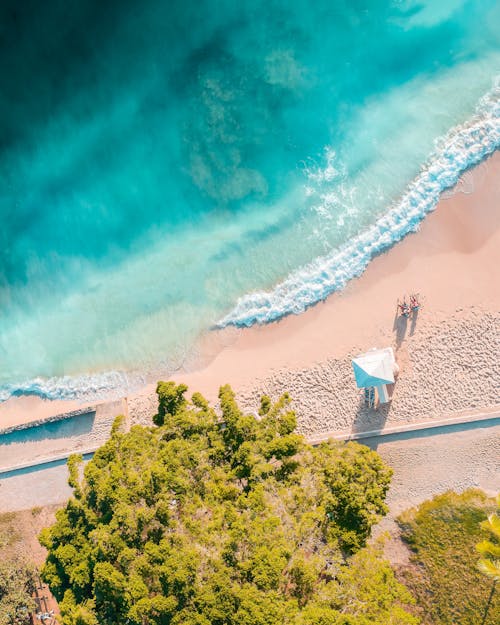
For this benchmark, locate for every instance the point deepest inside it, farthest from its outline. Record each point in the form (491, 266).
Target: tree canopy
(15, 592)
(224, 519)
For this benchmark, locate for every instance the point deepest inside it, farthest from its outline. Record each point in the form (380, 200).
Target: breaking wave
(88, 388)
(463, 147)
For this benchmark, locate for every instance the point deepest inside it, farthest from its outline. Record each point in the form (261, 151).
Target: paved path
(411, 430)
(401, 432)
(428, 459)
(55, 438)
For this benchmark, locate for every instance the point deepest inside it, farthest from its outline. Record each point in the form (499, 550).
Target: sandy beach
(448, 354)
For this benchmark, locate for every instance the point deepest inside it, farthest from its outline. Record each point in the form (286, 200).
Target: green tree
(360, 585)
(170, 400)
(16, 586)
(357, 481)
(489, 564)
(223, 519)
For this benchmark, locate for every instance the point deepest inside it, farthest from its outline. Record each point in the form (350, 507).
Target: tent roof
(374, 368)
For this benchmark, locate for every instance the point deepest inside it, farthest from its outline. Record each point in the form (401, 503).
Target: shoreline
(451, 261)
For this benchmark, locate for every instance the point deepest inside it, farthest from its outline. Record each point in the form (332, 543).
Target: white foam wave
(463, 147)
(85, 388)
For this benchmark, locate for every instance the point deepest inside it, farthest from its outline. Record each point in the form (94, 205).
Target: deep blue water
(167, 166)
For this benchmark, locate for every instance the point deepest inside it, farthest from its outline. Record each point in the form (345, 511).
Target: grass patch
(19, 533)
(8, 530)
(443, 575)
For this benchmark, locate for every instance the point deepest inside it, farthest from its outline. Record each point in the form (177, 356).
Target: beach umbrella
(374, 368)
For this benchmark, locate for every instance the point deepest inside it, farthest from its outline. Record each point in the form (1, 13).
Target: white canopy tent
(375, 369)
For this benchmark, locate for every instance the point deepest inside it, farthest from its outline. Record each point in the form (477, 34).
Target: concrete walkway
(409, 430)
(434, 426)
(427, 458)
(55, 438)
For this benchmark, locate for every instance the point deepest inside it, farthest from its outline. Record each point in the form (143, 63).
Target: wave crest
(88, 388)
(461, 148)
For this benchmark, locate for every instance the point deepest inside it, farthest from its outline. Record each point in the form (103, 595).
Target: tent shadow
(371, 419)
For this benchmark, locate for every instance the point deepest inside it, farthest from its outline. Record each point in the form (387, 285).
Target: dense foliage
(15, 592)
(445, 580)
(223, 521)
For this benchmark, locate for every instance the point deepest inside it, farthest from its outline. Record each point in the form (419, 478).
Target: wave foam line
(88, 388)
(463, 147)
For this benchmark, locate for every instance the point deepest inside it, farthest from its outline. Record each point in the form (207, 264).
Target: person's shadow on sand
(401, 324)
(414, 318)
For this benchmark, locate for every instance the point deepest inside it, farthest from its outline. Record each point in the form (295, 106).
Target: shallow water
(175, 165)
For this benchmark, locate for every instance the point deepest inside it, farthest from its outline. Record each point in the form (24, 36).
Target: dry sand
(24, 409)
(425, 466)
(19, 533)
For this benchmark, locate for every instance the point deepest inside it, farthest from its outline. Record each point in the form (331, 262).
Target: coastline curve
(462, 148)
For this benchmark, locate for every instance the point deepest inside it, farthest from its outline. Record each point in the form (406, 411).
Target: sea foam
(463, 147)
(88, 388)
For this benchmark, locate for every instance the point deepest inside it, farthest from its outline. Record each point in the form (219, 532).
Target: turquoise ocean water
(167, 166)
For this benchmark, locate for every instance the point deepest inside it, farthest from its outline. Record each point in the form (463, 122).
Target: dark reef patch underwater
(164, 165)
